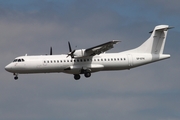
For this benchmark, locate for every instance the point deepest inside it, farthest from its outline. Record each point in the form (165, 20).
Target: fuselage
(62, 63)
(87, 61)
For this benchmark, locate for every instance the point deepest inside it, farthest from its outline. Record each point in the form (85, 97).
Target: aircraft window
(61, 60)
(77, 60)
(98, 59)
(111, 59)
(15, 60)
(64, 60)
(101, 59)
(54, 61)
(22, 60)
(58, 61)
(94, 59)
(74, 60)
(104, 59)
(71, 60)
(81, 60)
(121, 58)
(19, 60)
(67, 60)
(114, 59)
(84, 60)
(118, 59)
(87, 59)
(44, 61)
(124, 58)
(108, 59)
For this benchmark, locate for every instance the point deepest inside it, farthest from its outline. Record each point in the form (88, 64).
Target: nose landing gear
(15, 76)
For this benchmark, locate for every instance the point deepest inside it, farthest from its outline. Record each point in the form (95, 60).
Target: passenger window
(101, 59)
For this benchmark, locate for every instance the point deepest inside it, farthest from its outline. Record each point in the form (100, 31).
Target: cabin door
(130, 60)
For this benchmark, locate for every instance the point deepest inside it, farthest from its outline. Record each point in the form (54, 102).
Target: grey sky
(148, 92)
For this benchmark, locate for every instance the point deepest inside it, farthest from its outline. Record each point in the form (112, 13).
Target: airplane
(94, 59)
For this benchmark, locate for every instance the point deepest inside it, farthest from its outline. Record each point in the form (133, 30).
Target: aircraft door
(130, 60)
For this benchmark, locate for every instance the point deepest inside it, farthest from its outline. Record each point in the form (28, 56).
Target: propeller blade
(70, 50)
(51, 51)
(71, 53)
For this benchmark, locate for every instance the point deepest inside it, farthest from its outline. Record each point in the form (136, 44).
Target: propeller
(71, 53)
(50, 51)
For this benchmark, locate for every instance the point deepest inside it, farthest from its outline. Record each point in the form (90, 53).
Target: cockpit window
(18, 60)
(15, 60)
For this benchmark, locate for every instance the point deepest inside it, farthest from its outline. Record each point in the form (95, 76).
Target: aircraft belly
(119, 65)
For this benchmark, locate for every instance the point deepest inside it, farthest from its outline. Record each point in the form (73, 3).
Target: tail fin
(155, 43)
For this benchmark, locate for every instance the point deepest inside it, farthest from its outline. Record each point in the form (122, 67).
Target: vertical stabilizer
(155, 43)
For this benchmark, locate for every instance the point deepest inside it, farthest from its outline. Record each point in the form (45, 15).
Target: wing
(101, 48)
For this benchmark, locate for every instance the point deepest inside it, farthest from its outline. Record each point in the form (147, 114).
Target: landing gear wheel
(77, 77)
(16, 78)
(87, 74)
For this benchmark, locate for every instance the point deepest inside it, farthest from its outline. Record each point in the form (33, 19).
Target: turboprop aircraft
(94, 59)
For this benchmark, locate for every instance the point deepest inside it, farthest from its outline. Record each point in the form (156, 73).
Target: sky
(144, 93)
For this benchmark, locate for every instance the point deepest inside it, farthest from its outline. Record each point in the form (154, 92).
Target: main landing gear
(15, 76)
(86, 74)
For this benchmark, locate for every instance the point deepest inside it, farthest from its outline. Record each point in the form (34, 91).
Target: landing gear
(87, 74)
(77, 76)
(15, 76)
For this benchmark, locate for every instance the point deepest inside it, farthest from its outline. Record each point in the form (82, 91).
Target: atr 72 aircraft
(87, 61)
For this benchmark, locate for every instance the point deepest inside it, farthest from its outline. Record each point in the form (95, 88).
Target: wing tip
(116, 41)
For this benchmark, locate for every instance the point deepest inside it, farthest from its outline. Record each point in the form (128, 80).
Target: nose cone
(8, 68)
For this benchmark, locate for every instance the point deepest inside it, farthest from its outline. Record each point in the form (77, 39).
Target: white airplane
(87, 61)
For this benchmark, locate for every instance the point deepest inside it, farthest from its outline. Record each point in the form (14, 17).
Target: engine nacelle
(79, 53)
